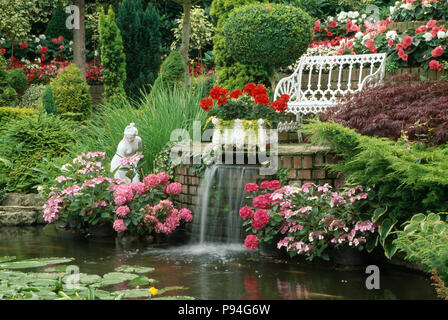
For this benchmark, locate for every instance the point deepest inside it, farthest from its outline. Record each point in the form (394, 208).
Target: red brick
(193, 190)
(292, 174)
(307, 162)
(318, 174)
(304, 174)
(287, 162)
(319, 159)
(297, 162)
(184, 189)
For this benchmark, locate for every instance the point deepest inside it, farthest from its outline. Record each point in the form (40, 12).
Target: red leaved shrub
(419, 108)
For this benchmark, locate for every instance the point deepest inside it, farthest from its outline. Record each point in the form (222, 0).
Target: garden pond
(201, 271)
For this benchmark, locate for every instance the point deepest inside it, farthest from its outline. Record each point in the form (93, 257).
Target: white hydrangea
(391, 35)
(442, 34)
(427, 36)
(407, 6)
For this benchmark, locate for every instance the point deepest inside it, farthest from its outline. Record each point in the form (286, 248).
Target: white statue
(130, 145)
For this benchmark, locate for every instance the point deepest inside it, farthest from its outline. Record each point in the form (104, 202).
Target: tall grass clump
(155, 116)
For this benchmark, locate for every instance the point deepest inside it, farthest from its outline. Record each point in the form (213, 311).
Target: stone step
(19, 199)
(20, 216)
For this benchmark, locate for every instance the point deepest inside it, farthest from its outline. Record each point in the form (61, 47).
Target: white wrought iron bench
(319, 81)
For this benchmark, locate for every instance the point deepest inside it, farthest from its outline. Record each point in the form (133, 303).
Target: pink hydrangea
(246, 212)
(273, 184)
(261, 218)
(251, 242)
(262, 201)
(119, 225)
(174, 188)
(51, 209)
(122, 211)
(138, 187)
(151, 181)
(185, 214)
(164, 178)
(251, 187)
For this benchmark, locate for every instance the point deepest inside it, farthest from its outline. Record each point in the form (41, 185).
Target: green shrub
(424, 240)
(232, 74)
(71, 94)
(8, 114)
(32, 96)
(56, 26)
(48, 103)
(172, 72)
(27, 141)
(140, 31)
(274, 35)
(8, 96)
(112, 54)
(17, 80)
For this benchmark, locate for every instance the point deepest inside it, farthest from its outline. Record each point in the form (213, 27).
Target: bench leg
(299, 128)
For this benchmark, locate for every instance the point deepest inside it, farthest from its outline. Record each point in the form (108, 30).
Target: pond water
(216, 271)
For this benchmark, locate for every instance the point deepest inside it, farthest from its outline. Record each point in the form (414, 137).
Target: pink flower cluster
(131, 161)
(51, 208)
(251, 242)
(165, 218)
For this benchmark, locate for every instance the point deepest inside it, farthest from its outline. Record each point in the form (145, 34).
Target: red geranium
(43, 50)
(235, 94)
(217, 92)
(261, 99)
(3, 51)
(206, 104)
(249, 87)
(437, 52)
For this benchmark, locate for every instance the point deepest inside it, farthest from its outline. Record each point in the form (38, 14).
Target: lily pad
(7, 258)
(33, 263)
(133, 293)
(136, 269)
(115, 278)
(163, 290)
(139, 281)
(174, 298)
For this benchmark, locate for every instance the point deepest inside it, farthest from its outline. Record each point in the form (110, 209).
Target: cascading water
(221, 194)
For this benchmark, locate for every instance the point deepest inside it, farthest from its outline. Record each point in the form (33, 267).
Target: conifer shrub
(113, 58)
(8, 96)
(172, 72)
(142, 43)
(71, 94)
(17, 80)
(32, 96)
(417, 109)
(57, 25)
(48, 104)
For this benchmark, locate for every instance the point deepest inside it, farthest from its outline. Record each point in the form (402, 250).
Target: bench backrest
(319, 81)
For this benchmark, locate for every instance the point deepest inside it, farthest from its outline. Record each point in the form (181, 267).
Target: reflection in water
(212, 271)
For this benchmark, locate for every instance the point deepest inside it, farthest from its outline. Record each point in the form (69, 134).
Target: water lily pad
(133, 293)
(174, 298)
(139, 281)
(136, 269)
(43, 275)
(7, 258)
(166, 289)
(115, 278)
(33, 263)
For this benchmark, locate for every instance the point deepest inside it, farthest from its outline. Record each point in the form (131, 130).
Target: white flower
(391, 10)
(407, 6)
(391, 35)
(364, 16)
(441, 34)
(354, 20)
(359, 35)
(39, 47)
(427, 36)
(330, 19)
(397, 3)
(42, 37)
(342, 16)
(427, 4)
(71, 42)
(96, 53)
(36, 40)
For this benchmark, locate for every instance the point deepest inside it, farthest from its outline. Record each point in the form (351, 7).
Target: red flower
(249, 87)
(54, 40)
(431, 23)
(251, 187)
(3, 51)
(437, 52)
(317, 26)
(258, 90)
(217, 92)
(273, 184)
(251, 242)
(390, 43)
(333, 24)
(262, 99)
(206, 104)
(61, 47)
(60, 38)
(235, 94)
(435, 65)
(246, 212)
(43, 50)
(261, 218)
(407, 41)
(23, 45)
(370, 44)
(421, 29)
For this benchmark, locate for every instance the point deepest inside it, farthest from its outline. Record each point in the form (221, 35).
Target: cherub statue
(128, 154)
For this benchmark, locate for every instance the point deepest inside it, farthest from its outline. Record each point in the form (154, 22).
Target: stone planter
(241, 134)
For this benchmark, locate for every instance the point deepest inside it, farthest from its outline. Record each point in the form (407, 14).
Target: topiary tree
(172, 72)
(112, 54)
(48, 104)
(8, 96)
(274, 35)
(232, 74)
(140, 30)
(71, 94)
(56, 26)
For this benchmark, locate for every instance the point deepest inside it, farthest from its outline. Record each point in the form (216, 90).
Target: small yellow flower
(153, 291)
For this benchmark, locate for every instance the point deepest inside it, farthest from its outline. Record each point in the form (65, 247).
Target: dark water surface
(215, 271)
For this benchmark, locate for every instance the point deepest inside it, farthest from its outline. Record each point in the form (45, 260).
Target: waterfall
(221, 195)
